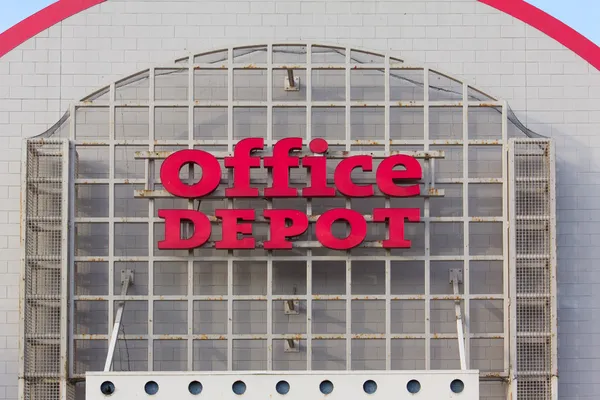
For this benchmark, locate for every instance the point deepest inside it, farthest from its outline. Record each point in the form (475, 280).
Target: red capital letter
(358, 229)
(280, 163)
(387, 176)
(396, 217)
(343, 178)
(231, 229)
(317, 166)
(211, 173)
(241, 162)
(173, 239)
(280, 231)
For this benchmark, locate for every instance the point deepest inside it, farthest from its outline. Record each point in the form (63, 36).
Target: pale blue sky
(583, 15)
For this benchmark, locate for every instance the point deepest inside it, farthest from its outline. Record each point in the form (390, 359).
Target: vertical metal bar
(269, 206)
(309, 304)
(65, 266)
(111, 207)
(190, 263)
(505, 239)
(348, 137)
(427, 263)
(23, 306)
(551, 165)
(149, 172)
(512, 382)
(230, 206)
(467, 252)
(71, 233)
(388, 272)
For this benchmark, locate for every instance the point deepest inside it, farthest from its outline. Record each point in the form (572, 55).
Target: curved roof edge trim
(42, 20)
(551, 26)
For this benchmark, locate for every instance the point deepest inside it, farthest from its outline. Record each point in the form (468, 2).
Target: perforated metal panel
(533, 282)
(44, 289)
(365, 309)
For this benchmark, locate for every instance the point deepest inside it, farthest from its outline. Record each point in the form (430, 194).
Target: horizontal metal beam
(144, 155)
(220, 194)
(332, 297)
(341, 143)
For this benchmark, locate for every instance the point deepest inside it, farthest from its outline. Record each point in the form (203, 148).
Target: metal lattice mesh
(534, 287)
(45, 261)
(365, 309)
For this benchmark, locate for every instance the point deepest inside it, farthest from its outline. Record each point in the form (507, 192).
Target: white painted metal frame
(150, 194)
(389, 144)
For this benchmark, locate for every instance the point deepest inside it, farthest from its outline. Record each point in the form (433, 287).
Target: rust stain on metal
(94, 143)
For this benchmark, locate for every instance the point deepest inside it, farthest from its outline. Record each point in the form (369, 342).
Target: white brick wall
(551, 89)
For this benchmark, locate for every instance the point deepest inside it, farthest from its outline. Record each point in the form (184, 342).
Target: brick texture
(551, 90)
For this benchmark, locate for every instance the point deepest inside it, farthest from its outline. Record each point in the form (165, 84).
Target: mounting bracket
(291, 83)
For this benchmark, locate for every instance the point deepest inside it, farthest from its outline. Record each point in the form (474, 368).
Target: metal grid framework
(44, 288)
(533, 278)
(365, 309)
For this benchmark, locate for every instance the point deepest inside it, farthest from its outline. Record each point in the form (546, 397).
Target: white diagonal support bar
(126, 281)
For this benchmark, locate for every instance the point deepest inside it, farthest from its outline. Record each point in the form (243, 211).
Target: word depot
(396, 176)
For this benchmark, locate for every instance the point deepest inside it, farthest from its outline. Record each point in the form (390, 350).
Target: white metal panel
(434, 385)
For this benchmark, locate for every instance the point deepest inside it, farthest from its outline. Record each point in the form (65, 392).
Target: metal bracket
(126, 274)
(292, 346)
(291, 83)
(456, 275)
(291, 307)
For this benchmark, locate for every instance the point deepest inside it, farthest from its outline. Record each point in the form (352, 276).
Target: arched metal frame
(360, 101)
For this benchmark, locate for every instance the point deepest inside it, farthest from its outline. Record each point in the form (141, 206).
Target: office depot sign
(396, 176)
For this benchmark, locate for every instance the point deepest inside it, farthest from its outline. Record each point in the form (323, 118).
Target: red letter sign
(318, 171)
(173, 240)
(241, 162)
(358, 229)
(396, 217)
(279, 230)
(231, 229)
(386, 176)
(211, 173)
(280, 163)
(343, 176)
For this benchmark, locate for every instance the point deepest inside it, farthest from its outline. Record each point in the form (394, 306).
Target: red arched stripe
(519, 9)
(42, 20)
(551, 26)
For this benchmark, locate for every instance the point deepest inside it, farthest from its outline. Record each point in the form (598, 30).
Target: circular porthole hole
(239, 387)
(282, 387)
(195, 387)
(413, 386)
(151, 388)
(457, 386)
(326, 387)
(370, 386)
(107, 388)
